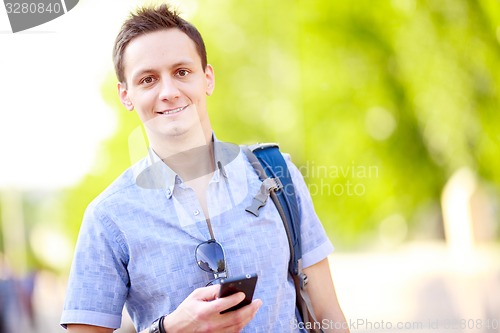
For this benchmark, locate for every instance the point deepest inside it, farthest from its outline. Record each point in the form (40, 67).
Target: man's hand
(200, 312)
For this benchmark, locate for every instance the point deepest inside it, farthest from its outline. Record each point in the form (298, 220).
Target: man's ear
(210, 77)
(123, 93)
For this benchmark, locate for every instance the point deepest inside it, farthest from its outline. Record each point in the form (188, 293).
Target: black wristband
(162, 329)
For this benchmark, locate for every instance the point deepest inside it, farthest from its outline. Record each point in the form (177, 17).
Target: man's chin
(175, 132)
(188, 132)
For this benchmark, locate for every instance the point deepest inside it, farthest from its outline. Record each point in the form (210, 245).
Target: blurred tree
(378, 103)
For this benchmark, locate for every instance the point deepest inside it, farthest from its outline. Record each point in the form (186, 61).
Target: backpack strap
(272, 170)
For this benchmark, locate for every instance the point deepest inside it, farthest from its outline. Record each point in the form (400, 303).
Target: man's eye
(148, 80)
(182, 73)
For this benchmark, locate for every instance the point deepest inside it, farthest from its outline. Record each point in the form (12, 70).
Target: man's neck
(193, 160)
(189, 158)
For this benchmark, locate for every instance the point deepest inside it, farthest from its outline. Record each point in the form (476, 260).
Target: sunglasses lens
(210, 257)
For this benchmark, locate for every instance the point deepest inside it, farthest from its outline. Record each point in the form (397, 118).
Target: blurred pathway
(420, 287)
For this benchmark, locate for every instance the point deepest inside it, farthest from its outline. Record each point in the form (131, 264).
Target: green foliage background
(386, 99)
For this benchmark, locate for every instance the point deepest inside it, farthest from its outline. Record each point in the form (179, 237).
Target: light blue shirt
(137, 242)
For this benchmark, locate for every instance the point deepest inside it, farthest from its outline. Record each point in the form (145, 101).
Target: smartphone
(245, 283)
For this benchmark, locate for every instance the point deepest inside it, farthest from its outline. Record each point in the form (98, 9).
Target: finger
(223, 303)
(206, 293)
(253, 307)
(237, 320)
(248, 312)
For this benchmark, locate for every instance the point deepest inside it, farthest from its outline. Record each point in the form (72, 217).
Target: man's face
(166, 84)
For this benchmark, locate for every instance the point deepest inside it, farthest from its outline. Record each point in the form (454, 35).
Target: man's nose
(169, 90)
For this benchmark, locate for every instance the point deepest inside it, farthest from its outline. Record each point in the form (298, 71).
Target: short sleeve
(98, 282)
(316, 245)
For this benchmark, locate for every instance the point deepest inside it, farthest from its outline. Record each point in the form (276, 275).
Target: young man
(141, 240)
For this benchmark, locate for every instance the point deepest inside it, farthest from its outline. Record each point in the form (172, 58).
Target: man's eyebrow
(186, 62)
(142, 72)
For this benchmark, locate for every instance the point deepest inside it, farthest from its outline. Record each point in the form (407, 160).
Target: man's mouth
(172, 111)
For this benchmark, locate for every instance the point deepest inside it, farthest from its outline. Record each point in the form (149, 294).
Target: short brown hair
(151, 19)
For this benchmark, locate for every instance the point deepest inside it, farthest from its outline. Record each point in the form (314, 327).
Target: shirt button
(196, 212)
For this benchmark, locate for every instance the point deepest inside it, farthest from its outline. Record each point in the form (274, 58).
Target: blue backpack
(277, 183)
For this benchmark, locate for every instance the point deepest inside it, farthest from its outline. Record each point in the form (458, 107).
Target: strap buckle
(259, 201)
(272, 184)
